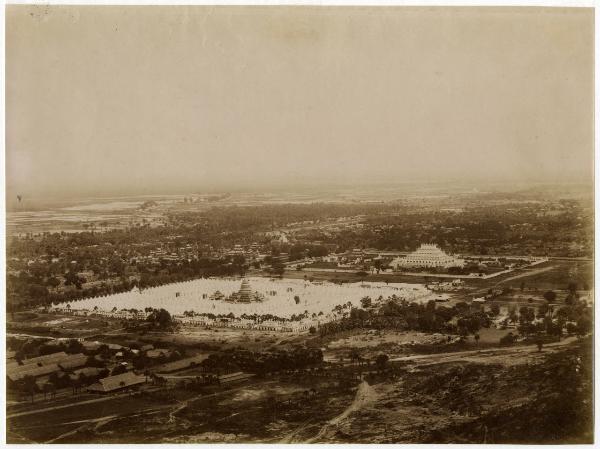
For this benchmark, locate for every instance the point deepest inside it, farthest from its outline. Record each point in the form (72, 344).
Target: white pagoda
(428, 255)
(245, 294)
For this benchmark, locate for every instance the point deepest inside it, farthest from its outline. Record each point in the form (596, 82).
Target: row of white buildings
(242, 323)
(199, 320)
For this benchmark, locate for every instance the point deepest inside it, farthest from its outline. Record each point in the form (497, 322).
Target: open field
(44, 427)
(563, 272)
(369, 343)
(40, 325)
(279, 297)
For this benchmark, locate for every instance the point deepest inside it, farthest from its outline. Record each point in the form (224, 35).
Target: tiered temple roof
(245, 294)
(428, 255)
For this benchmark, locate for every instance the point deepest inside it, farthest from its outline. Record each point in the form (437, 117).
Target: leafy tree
(508, 339)
(584, 325)
(37, 291)
(555, 329)
(94, 362)
(381, 361)
(277, 269)
(470, 323)
(119, 369)
(50, 349)
(526, 315)
(543, 310)
(49, 387)
(238, 259)
(377, 264)
(512, 314)
(74, 347)
(354, 355)
(52, 282)
(71, 278)
(104, 350)
(116, 266)
(366, 302)
(28, 386)
(495, 309)
(161, 318)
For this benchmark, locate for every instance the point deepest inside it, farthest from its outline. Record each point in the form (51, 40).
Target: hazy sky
(121, 99)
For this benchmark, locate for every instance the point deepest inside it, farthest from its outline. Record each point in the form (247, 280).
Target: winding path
(364, 395)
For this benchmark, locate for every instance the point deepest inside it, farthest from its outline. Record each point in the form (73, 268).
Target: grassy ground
(46, 426)
(564, 272)
(55, 325)
(490, 336)
(515, 397)
(262, 411)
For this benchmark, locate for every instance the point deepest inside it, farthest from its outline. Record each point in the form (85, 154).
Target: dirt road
(117, 397)
(364, 395)
(58, 407)
(459, 354)
(518, 276)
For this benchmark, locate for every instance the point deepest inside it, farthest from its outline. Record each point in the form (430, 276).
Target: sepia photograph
(295, 224)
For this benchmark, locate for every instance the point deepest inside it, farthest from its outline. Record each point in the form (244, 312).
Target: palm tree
(52, 390)
(82, 380)
(381, 361)
(29, 386)
(354, 355)
(76, 385)
(47, 388)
